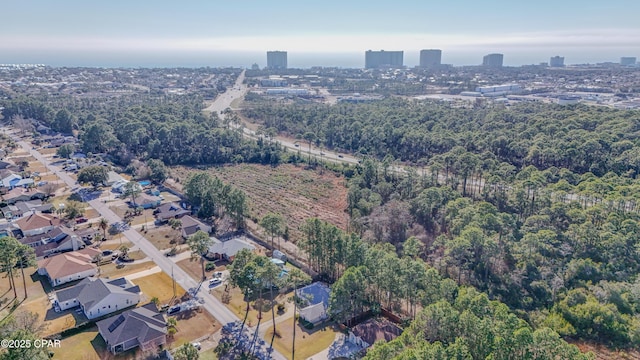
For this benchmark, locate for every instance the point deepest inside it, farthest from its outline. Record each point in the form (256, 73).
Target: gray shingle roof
(89, 291)
(230, 247)
(142, 324)
(170, 210)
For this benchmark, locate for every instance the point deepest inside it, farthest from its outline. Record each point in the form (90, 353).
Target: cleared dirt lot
(292, 191)
(158, 285)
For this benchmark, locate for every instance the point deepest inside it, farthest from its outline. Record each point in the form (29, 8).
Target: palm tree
(124, 251)
(98, 260)
(104, 224)
(171, 326)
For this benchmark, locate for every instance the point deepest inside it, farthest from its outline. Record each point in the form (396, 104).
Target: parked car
(197, 345)
(81, 220)
(126, 259)
(215, 281)
(174, 310)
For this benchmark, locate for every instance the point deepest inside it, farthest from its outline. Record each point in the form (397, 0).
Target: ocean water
(244, 59)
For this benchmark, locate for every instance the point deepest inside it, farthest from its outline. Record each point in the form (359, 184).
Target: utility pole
(173, 280)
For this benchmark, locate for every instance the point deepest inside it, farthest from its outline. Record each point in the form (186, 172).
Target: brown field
(47, 151)
(19, 156)
(91, 213)
(294, 192)
(49, 178)
(158, 285)
(114, 245)
(115, 271)
(193, 267)
(193, 325)
(147, 214)
(601, 352)
(161, 236)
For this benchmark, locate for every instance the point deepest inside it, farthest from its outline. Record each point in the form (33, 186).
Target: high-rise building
(493, 60)
(276, 59)
(383, 59)
(556, 61)
(627, 60)
(430, 58)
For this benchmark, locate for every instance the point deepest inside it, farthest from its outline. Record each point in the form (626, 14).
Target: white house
(99, 297)
(64, 268)
(315, 301)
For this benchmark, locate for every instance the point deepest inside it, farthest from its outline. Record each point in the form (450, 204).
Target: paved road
(223, 101)
(211, 304)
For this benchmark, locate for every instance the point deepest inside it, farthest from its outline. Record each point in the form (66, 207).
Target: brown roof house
(99, 297)
(142, 327)
(168, 211)
(36, 223)
(64, 268)
(21, 194)
(60, 239)
(369, 332)
(190, 226)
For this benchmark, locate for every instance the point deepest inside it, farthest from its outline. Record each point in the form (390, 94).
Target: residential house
(190, 226)
(10, 179)
(58, 240)
(4, 164)
(36, 223)
(118, 186)
(227, 250)
(315, 302)
(142, 327)
(168, 211)
(145, 201)
(18, 209)
(42, 129)
(369, 332)
(99, 297)
(15, 180)
(20, 194)
(113, 178)
(64, 268)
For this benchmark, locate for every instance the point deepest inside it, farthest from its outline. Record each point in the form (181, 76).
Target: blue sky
(527, 32)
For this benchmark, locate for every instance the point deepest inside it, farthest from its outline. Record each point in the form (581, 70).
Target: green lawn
(208, 355)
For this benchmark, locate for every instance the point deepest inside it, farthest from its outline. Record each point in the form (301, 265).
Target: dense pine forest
(173, 129)
(577, 138)
(535, 205)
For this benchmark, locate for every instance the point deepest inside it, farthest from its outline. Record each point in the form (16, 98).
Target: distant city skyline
(206, 33)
